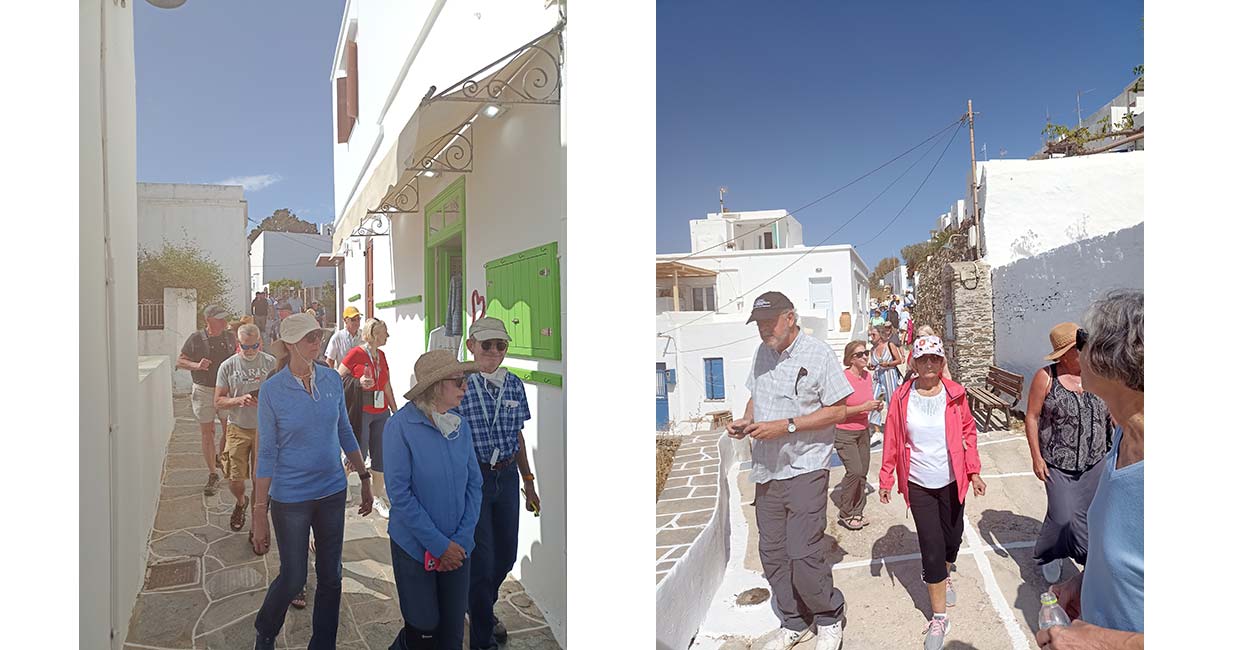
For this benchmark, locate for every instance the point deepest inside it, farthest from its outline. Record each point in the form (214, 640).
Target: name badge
(378, 399)
(510, 403)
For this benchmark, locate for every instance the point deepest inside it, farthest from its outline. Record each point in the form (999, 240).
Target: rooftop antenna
(1078, 104)
(722, 191)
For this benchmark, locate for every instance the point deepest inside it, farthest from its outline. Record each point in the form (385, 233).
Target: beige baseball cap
(488, 328)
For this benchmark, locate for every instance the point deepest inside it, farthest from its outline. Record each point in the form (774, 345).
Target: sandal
(852, 523)
(237, 522)
(299, 601)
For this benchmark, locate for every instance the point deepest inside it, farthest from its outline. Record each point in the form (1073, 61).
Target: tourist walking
(930, 453)
(1069, 432)
(885, 360)
(1108, 599)
(258, 308)
(798, 394)
(236, 393)
(368, 364)
(201, 355)
(926, 330)
(496, 408)
(436, 490)
(852, 436)
(302, 428)
(346, 339)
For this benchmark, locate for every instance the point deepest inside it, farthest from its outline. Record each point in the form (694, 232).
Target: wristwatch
(364, 475)
(792, 428)
(527, 477)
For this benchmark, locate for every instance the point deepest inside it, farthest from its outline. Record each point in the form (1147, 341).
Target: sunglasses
(250, 347)
(1081, 338)
(499, 345)
(859, 354)
(312, 337)
(458, 381)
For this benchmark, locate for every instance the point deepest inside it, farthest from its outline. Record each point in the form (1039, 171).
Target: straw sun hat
(293, 329)
(434, 366)
(1063, 338)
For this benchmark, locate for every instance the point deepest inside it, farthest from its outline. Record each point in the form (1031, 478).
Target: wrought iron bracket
(452, 152)
(374, 224)
(530, 74)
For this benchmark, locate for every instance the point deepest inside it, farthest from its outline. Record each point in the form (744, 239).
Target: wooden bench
(1001, 392)
(719, 419)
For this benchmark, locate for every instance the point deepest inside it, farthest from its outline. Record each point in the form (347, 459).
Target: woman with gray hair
(1107, 601)
(435, 486)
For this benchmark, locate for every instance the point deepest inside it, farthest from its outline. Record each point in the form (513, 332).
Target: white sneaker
(785, 639)
(382, 507)
(1052, 571)
(830, 636)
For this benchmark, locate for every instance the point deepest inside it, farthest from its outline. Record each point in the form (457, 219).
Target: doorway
(445, 261)
(661, 416)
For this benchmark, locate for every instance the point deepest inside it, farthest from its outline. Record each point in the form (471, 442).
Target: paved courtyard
(879, 567)
(214, 583)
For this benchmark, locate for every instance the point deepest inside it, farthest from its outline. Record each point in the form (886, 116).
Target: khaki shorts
(202, 398)
(238, 446)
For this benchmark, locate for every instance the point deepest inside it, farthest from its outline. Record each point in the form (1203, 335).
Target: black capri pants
(939, 517)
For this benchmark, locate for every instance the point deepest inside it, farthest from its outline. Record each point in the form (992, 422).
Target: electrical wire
(825, 196)
(811, 249)
(923, 184)
(721, 345)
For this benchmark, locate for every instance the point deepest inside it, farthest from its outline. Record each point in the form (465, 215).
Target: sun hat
(927, 345)
(1063, 338)
(434, 366)
(769, 305)
(215, 311)
(293, 329)
(488, 328)
(351, 312)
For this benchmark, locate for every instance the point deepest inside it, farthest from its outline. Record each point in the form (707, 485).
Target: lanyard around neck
(481, 386)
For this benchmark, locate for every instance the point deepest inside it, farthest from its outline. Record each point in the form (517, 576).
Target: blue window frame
(714, 378)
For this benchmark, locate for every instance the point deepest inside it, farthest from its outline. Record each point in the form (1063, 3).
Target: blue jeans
(293, 523)
(370, 438)
(495, 550)
(431, 601)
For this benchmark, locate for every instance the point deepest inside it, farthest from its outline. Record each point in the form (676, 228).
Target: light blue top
(434, 484)
(300, 438)
(1113, 591)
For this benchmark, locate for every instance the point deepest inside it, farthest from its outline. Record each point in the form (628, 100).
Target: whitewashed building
(289, 256)
(450, 188)
(213, 218)
(703, 348)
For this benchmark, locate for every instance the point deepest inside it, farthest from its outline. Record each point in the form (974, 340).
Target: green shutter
(523, 290)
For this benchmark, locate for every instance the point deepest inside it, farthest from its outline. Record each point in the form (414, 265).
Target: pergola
(675, 271)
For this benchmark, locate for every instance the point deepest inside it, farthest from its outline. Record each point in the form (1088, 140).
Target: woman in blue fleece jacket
(435, 486)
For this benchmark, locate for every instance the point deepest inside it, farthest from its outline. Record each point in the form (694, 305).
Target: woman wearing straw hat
(930, 446)
(1069, 431)
(435, 486)
(302, 428)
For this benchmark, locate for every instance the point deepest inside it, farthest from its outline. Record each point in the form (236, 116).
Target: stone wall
(970, 324)
(934, 276)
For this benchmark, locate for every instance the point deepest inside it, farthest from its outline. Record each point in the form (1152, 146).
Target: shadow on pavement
(1000, 528)
(908, 572)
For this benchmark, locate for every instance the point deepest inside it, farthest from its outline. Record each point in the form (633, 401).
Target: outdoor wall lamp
(493, 111)
(429, 173)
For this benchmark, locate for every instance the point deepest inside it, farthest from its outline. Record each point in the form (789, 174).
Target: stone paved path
(688, 499)
(214, 607)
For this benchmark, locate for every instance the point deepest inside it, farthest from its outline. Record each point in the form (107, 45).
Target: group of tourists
(268, 311)
(1085, 426)
(448, 468)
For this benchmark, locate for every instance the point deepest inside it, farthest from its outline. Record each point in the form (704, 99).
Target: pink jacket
(961, 439)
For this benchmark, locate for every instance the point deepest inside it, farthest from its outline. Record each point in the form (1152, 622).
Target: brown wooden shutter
(351, 54)
(344, 123)
(370, 278)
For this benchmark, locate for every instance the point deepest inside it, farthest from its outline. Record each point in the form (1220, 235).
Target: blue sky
(784, 102)
(239, 91)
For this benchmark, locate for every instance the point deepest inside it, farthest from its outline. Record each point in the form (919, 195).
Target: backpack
(228, 337)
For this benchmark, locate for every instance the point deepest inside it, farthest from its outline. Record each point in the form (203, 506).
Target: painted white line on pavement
(971, 550)
(995, 442)
(997, 601)
(1010, 475)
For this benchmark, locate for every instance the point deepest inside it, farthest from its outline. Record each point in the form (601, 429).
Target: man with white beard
(236, 391)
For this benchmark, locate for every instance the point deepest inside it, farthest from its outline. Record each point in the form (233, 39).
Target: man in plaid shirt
(497, 410)
(797, 396)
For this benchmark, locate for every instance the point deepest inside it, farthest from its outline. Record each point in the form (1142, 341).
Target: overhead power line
(828, 194)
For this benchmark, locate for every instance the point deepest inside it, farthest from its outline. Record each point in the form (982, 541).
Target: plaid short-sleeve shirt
(496, 416)
(798, 381)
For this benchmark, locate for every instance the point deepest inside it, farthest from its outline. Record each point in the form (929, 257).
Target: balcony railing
(150, 315)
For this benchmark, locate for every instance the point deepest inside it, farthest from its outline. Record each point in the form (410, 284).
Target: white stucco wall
(1034, 294)
(288, 256)
(1033, 206)
(212, 217)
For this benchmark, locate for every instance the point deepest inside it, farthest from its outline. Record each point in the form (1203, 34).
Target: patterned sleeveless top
(1074, 431)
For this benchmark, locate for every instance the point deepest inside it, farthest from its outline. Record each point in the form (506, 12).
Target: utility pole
(977, 216)
(722, 191)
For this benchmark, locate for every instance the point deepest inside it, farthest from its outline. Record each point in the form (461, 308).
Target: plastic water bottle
(1051, 613)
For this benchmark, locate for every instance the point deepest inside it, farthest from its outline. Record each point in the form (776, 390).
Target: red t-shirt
(863, 391)
(357, 361)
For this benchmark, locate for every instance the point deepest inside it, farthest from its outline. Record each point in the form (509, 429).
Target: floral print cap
(927, 345)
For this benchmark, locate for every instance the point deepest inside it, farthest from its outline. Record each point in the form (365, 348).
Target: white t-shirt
(340, 344)
(929, 463)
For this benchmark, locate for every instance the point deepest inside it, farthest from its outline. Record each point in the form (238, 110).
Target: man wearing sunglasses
(201, 355)
(236, 392)
(346, 339)
(496, 409)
